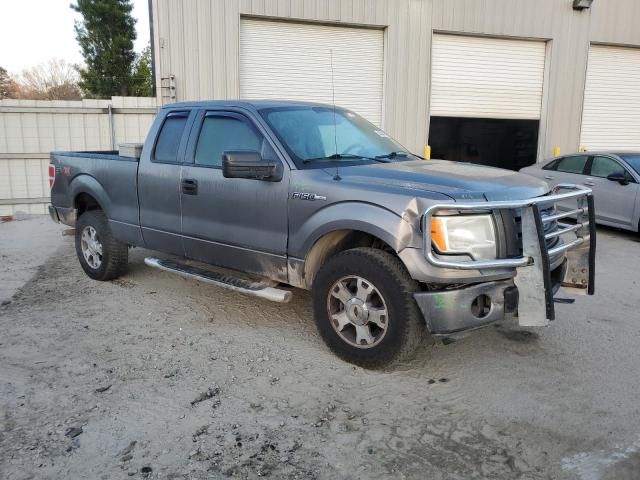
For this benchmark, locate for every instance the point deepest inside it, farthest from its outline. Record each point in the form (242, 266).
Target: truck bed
(111, 179)
(95, 154)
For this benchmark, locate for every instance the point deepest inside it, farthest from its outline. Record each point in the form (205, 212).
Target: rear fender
(90, 186)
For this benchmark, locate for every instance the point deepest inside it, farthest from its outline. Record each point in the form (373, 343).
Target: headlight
(471, 234)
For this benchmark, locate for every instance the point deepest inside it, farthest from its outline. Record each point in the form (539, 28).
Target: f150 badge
(307, 196)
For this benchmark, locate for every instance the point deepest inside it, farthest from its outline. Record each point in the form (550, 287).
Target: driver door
(232, 222)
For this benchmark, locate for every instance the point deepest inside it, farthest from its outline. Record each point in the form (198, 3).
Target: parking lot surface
(156, 376)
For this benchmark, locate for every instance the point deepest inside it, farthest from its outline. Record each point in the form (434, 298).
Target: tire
(112, 262)
(391, 290)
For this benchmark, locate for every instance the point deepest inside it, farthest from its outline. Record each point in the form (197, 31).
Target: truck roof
(252, 104)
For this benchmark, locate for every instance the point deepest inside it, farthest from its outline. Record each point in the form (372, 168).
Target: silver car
(613, 177)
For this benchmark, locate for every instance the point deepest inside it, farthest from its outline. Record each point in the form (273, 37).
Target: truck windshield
(315, 136)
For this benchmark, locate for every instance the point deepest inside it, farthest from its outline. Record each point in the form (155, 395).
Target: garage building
(498, 82)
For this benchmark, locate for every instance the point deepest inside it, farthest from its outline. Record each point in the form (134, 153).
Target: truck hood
(460, 181)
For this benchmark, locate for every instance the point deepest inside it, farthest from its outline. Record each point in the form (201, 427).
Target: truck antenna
(335, 126)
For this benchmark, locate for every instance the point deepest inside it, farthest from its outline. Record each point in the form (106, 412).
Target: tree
(54, 80)
(106, 34)
(142, 85)
(8, 86)
(4, 83)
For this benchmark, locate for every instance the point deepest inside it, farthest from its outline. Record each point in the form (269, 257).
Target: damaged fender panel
(379, 222)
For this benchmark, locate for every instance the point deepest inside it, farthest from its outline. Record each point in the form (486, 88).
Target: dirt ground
(155, 376)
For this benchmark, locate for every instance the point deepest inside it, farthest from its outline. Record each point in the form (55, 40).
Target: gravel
(258, 394)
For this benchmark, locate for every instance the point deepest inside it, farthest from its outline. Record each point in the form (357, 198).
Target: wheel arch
(341, 226)
(335, 241)
(88, 194)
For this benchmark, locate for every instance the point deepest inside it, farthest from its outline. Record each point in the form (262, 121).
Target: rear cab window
(169, 137)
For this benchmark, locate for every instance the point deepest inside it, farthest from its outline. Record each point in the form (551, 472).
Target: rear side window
(605, 166)
(574, 164)
(220, 134)
(166, 150)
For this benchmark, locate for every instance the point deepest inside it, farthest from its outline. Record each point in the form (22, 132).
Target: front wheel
(101, 256)
(364, 307)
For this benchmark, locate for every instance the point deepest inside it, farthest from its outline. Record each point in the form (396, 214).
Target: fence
(30, 129)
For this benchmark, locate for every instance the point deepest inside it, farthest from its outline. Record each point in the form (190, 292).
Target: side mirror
(244, 164)
(619, 177)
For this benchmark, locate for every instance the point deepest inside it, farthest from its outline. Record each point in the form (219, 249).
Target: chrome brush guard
(533, 278)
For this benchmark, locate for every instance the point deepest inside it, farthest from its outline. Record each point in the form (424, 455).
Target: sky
(34, 31)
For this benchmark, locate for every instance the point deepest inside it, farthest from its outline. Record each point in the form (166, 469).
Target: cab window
(166, 149)
(573, 164)
(221, 133)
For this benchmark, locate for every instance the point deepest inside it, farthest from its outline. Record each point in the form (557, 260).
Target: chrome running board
(256, 289)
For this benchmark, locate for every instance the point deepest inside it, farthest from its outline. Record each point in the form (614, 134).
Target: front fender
(372, 219)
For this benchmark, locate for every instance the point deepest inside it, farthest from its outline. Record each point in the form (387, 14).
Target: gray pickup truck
(258, 196)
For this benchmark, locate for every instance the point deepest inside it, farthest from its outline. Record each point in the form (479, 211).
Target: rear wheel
(364, 307)
(101, 256)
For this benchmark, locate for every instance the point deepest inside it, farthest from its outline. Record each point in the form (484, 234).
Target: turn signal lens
(438, 234)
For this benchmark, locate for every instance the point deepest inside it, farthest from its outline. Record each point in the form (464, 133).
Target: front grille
(512, 221)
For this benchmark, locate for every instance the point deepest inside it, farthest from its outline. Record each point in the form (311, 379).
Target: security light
(582, 4)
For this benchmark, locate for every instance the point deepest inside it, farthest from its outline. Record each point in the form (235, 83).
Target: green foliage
(4, 83)
(8, 86)
(142, 81)
(106, 34)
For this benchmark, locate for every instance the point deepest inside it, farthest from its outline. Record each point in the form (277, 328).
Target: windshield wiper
(343, 156)
(393, 155)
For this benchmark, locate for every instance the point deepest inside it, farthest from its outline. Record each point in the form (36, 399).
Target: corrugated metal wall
(30, 129)
(198, 42)
(615, 22)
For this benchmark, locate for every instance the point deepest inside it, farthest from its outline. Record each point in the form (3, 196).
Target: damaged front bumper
(529, 295)
(451, 311)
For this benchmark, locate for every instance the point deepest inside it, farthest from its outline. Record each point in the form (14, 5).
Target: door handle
(589, 182)
(548, 177)
(189, 186)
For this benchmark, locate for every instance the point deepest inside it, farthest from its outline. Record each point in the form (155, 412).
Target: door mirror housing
(619, 177)
(251, 165)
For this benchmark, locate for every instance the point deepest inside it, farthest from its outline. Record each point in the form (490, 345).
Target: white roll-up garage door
(486, 77)
(283, 60)
(611, 114)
